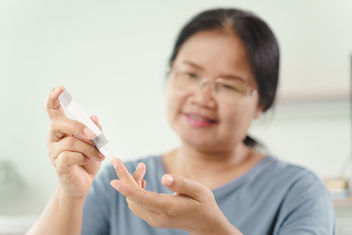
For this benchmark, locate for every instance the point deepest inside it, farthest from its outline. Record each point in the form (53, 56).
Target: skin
(76, 161)
(219, 149)
(208, 157)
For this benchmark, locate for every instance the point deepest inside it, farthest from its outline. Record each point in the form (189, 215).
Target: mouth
(199, 120)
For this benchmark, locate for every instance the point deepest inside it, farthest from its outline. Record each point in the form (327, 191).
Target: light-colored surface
(112, 56)
(15, 225)
(344, 216)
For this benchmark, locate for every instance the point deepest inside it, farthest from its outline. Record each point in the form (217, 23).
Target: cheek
(237, 118)
(175, 100)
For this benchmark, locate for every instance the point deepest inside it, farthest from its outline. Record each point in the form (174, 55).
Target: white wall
(112, 55)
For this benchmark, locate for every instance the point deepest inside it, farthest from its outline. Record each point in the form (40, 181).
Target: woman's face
(199, 118)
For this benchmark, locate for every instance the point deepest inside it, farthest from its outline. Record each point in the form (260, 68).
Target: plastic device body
(76, 111)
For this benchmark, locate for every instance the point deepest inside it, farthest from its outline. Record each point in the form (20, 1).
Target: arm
(62, 215)
(76, 161)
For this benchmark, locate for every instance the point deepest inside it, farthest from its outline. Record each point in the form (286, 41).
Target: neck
(200, 164)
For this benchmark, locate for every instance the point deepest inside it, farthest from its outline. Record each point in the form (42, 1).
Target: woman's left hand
(191, 208)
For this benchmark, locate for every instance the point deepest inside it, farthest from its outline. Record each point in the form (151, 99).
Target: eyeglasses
(227, 90)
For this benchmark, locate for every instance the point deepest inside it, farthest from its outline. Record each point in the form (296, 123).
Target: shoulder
(287, 183)
(289, 175)
(304, 197)
(300, 180)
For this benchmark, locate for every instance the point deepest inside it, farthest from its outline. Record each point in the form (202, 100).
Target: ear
(170, 66)
(258, 112)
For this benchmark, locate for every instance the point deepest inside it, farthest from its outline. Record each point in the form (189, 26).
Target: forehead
(216, 52)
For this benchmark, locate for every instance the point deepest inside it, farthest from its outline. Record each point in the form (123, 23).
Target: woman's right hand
(71, 150)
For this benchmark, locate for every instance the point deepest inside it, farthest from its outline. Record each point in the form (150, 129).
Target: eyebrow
(234, 77)
(193, 64)
(225, 76)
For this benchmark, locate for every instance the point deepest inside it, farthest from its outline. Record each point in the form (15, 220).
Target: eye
(233, 88)
(192, 75)
(229, 87)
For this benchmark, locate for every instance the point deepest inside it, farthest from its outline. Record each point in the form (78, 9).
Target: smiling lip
(199, 120)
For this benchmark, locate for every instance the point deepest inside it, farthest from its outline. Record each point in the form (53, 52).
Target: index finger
(53, 106)
(122, 172)
(143, 197)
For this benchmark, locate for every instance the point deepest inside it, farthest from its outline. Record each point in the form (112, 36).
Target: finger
(182, 185)
(68, 159)
(142, 197)
(141, 212)
(139, 173)
(123, 173)
(66, 127)
(96, 121)
(151, 216)
(53, 106)
(73, 144)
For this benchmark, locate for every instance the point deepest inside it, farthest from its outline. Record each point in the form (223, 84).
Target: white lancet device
(75, 110)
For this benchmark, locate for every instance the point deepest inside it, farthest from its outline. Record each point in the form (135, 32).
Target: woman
(223, 74)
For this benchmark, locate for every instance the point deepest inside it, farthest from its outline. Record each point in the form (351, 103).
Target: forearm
(61, 216)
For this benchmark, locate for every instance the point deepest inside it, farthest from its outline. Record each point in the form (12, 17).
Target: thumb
(53, 106)
(182, 185)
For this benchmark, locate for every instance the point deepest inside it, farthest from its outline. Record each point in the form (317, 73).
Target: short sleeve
(96, 211)
(307, 208)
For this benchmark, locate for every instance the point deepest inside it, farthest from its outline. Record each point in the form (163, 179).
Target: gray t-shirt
(274, 197)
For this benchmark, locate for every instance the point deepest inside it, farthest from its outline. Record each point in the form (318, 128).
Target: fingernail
(115, 185)
(87, 132)
(57, 88)
(168, 180)
(101, 156)
(96, 119)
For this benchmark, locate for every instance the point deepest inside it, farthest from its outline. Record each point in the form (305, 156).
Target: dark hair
(260, 43)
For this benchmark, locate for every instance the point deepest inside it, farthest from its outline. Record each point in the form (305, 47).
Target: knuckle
(61, 162)
(51, 153)
(77, 126)
(64, 158)
(54, 128)
(70, 142)
(92, 151)
(183, 185)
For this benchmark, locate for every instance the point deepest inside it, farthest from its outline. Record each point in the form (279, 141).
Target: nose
(204, 96)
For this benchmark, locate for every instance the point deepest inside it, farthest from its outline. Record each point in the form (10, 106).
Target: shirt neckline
(231, 184)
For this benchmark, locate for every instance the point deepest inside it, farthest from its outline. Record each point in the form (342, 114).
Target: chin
(200, 142)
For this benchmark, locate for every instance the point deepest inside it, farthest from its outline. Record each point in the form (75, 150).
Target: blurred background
(112, 57)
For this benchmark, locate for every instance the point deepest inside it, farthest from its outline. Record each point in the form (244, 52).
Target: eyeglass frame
(205, 80)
